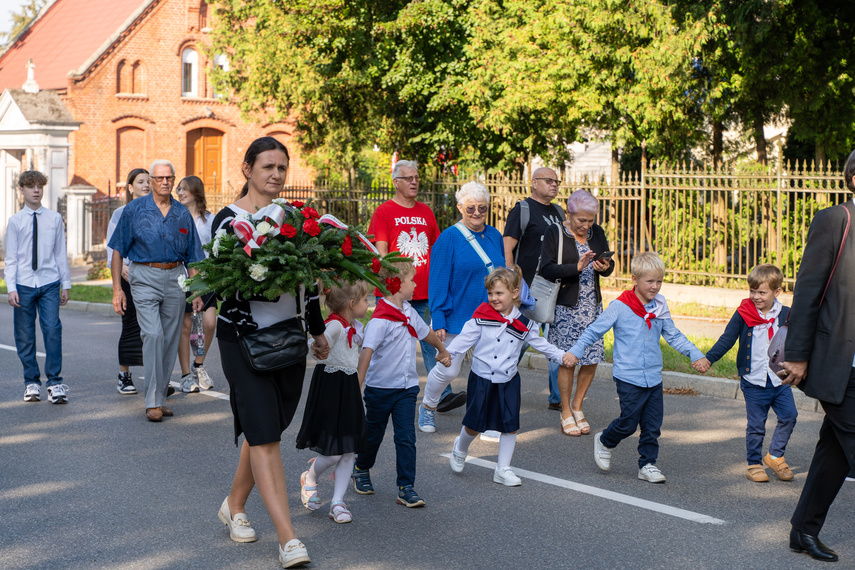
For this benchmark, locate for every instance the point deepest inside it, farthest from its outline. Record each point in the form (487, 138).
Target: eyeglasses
(482, 209)
(162, 179)
(409, 179)
(550, 181)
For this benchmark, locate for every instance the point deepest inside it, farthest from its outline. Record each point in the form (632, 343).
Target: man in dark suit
(820, 352)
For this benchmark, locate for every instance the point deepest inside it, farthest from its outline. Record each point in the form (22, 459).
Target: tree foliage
(22, 18)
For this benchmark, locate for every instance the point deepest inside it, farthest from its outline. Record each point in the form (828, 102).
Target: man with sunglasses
(522, 244)
(158, 235)
(407, 226)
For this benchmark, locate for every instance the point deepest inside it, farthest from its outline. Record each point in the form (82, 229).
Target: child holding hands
(754, 324)
(639, 318)
(497, 329)
(334, 420)
(387, 366)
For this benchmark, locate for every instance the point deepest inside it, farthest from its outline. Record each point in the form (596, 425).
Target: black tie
(35, 241)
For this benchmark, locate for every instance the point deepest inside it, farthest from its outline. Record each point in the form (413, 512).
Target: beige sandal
(583, 424)
(569, 427)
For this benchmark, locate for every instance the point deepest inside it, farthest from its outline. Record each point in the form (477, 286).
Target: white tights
(343, 469)
(507, 442)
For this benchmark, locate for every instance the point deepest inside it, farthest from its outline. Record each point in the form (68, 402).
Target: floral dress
(570, 322)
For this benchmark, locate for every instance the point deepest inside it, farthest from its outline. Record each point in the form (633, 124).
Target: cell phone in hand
(605, 256)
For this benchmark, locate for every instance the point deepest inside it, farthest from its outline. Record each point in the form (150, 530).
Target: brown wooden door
(205, 157)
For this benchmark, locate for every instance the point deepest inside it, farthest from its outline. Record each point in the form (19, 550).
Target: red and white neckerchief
(350, 328)
(660, 311)
(387, 312)
(751, 315)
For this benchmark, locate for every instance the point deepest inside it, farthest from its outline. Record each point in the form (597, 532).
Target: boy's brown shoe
(757, 474)
(780, 467)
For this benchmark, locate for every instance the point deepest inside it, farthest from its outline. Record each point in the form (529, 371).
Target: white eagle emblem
(415, 245)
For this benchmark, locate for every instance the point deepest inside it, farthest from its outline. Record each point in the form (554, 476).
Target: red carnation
(288, 230)
(393, 284)
(310, 213)
(297, 204)
(311, 227)
(347, 246)
(375, 265)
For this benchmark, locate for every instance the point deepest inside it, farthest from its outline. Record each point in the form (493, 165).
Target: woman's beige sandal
(583, 424)
(569, 427)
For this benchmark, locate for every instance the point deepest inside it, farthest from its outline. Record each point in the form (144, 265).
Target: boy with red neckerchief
(754, 324)
(387, 367)
(639, 318)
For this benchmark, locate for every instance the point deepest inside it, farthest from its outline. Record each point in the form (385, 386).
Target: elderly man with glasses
(524, 230)
(158, 235)
(407, 226)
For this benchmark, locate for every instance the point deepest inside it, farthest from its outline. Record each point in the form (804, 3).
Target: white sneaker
(651, 474)
(188, 385)
(202, 377)
(506, 477)
(602, 454)
(239, 529)
(293, 554)
(58, 394)
(32, 392)
(458, 458)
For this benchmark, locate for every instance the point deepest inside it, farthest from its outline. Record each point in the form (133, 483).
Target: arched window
(221, 62)
(189, 73)
(138, 78)
(122, 73)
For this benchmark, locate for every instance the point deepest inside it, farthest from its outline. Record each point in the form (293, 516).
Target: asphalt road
(93, 485)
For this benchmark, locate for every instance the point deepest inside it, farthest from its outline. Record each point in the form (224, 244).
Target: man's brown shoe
(757, 474)
(154, 414)
(166, 412)
(780, 467)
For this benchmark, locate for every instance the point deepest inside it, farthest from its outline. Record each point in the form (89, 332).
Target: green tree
(22, 18)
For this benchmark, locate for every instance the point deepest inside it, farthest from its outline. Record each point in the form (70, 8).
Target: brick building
(133, 75)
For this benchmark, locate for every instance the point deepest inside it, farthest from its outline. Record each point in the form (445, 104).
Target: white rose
(257, 271)
(220, 233)
(182, 282)
(215, 248)
(263, 228)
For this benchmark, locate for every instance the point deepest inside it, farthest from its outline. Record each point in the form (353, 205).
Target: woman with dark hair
(130, 342)
(263, 404)
(191, 193)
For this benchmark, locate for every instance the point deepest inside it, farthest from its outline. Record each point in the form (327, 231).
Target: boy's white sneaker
(458, 458)
(506, 477)
(651, 474)
(32, 392)
(58, 394)
(602, 454)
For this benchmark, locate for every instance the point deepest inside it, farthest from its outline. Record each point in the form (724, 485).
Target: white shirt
(497, 350)
(111, 227)
(341, 357)
(760, 348)
(203, 228)
(393, 364)
(53, 258)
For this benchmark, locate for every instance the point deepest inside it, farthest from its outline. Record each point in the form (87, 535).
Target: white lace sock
(319, 465)
(507, 442)
(342, 475)
(465, 441)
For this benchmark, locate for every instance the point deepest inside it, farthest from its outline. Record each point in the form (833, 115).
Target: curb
(101, 309)
(704, 385)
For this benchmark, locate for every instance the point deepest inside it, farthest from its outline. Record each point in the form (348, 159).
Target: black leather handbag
(275, 347)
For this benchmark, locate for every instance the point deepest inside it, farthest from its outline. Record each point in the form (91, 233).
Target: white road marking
(13, 349)
(602, 493)
(209, 393)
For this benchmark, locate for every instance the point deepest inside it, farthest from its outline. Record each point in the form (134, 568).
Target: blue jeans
(44, 301)
(428, 352)
(380, 403)
(758, 400)
(639, 407)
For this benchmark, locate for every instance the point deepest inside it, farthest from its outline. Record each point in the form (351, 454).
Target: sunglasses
(482, 209)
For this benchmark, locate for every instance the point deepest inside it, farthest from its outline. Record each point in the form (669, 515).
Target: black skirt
(492, 406)
(130, 342)
(334, 418)
(208, 300)
(263, 404)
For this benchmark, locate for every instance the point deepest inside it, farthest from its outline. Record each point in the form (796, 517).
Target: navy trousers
(639, 407)
(758, 400)
(400, 404)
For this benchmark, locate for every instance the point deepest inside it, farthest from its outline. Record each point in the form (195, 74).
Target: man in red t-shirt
(409, 227)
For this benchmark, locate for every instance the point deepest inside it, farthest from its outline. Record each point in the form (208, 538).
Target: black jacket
(825, 336)
(567, 270)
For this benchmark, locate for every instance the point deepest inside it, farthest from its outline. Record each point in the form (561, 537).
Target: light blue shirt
(637, 355)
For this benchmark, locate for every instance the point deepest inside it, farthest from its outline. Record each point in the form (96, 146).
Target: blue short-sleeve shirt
(145, 235)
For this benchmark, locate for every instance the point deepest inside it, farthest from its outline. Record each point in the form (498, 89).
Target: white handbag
(544, 291)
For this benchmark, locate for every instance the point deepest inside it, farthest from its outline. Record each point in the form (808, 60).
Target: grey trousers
(160, 311)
